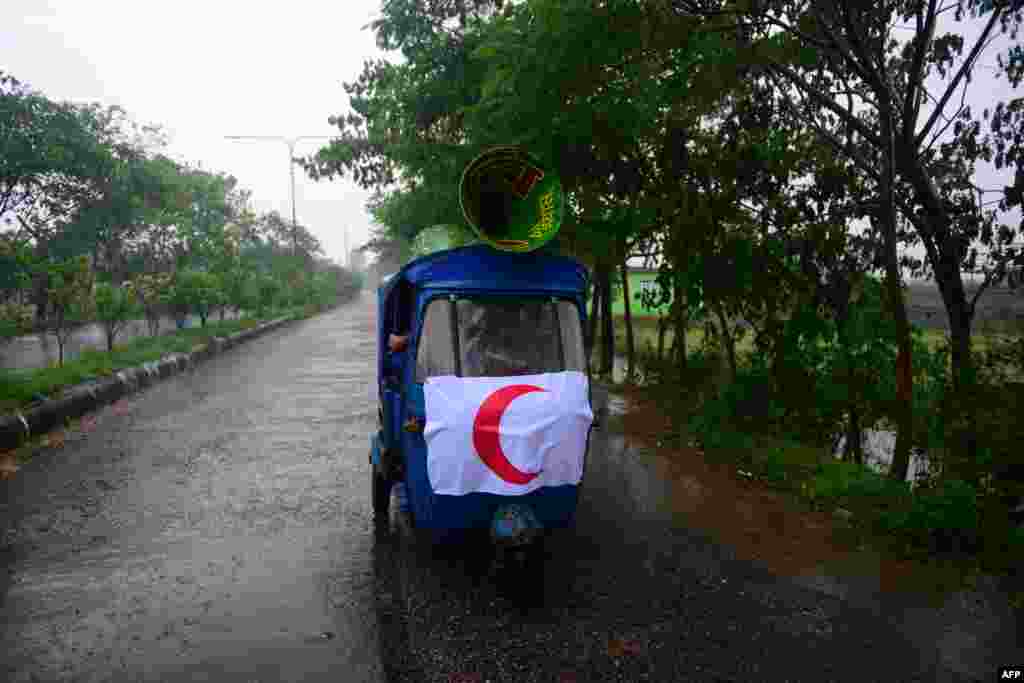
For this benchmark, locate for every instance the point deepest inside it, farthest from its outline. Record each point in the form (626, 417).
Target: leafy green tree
(15, 320)
(151, 290)
(864, 88)
(50, 156)
(196, 291)
(71, 293)
(235, 283)
(266, 290)
(115, 308)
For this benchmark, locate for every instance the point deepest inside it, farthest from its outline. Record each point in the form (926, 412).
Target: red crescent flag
(506, 435)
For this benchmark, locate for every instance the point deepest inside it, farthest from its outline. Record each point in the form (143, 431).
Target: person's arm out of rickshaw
(394, 359)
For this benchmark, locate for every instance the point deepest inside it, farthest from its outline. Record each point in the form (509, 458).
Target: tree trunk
(904, 375)
(662, 326)
(679, 325)
(595, 310)
(727, 341)
(40, 285)
(60, 333)
(962, 366)
(853, 449)
(113, 269)
(630, 350)
(607, 323)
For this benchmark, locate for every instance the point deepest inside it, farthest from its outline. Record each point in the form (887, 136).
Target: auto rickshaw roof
(481, 267)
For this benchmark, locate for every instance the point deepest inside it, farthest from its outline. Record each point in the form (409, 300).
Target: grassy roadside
(800, 512)
(798, 509)
(21, 388)
(645, 336)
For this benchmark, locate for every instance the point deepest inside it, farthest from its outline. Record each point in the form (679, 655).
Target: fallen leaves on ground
(55, 439)
(8, 465)
(465, 678)
(621, 647)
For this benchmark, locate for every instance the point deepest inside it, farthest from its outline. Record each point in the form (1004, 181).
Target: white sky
(204, 70)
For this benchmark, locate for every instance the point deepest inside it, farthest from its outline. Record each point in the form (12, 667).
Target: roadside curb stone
(76, 401)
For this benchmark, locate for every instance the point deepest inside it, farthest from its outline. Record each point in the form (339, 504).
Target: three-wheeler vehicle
(485, 411)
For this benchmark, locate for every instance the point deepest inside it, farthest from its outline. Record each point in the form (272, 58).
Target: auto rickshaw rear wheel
(381, 494)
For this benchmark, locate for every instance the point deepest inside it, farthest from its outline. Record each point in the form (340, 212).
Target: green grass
(645, 334)
(18, 388)
(886, 515)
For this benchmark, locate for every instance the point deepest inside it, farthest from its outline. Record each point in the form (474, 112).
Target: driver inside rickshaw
(508, 339)
(398, 329)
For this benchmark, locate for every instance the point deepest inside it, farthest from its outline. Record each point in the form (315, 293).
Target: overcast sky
(208, 69)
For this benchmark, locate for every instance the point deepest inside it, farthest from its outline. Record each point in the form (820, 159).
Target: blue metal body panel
(469, 270)
(375, 450)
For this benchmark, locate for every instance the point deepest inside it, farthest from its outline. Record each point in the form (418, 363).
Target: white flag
(506, 435)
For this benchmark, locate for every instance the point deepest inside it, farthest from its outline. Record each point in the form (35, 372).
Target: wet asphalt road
(220, 530)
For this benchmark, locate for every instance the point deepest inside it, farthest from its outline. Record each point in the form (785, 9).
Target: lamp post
(291, 170)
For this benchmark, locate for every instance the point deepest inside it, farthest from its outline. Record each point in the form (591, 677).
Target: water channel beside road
(877, 442)
(40, 350)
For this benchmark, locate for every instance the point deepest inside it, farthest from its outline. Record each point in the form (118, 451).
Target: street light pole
(291, 170)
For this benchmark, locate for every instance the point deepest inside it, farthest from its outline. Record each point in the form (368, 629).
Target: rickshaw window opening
(509, 335)
(454, 317)
(558, 328)
(435, 353)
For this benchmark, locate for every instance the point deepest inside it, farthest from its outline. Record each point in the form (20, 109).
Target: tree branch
(915, 76)
(949, 120)
(964, 68)
(852, 121)
(844, 49)
(27, 228)
(854, 155)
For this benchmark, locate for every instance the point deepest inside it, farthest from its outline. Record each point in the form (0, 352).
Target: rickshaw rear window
(500, 337)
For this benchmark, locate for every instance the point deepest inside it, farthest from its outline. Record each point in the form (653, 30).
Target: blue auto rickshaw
(528, 310)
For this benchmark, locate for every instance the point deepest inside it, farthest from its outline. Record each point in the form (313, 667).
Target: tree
(196, 291)
(51, 153)
(15, 320)
(71, 293)
(267, 290)
(115, 307)
(151, 290)
(865, 90)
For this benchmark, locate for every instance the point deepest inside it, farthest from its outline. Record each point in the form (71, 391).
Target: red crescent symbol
(486, 436)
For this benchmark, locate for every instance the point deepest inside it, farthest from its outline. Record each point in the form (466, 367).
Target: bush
(15, 319)
(946, 518)
(847, 483)
(115, 307)
(267, 289)
(196, 291)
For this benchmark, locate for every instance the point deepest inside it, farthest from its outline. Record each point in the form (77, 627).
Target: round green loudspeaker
(510, 201)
